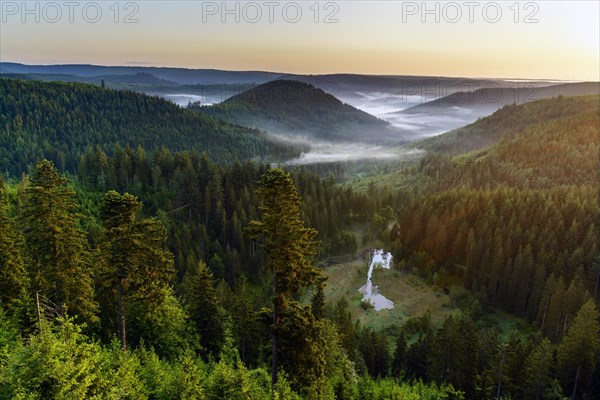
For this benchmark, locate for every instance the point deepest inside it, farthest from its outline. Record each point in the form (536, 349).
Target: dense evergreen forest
(506, 123)
(147, 272)
(58, 121)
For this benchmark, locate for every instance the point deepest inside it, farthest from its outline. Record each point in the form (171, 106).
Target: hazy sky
(540, 39)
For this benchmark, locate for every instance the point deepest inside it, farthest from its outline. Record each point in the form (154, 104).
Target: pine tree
(245, 319)
(579, 348)
(14, 282)
(538, 370)
(318, 301)
(137, 265)
(59, 250)
(288, 244)
(204, 309)
(453, 357)
(400, 355)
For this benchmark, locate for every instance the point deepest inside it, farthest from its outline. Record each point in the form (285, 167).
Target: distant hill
(456, 110)
(293, 107)
(348, 87)
(506, 123)
(140, 78)
(178, 75)
(493, 97)
(331, 83)
(59, 121)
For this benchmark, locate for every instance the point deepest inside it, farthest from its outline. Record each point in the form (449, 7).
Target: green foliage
(58, 121)
(390, 389)
(515, 221)
(8, 337)
(508, 122)
(164, 326)
(454, 354)
(344, 242)
(182, 378)
(375, 352)
(507, 242)
(237, 383)
(538, 370)
(137, 267)
(14, 281)
(60, 258)
(578, 351)
(400, 355)
(59, 363)
(200, 296)
(288, 244)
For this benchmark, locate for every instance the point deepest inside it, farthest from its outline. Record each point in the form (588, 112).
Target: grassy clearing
(410, 294)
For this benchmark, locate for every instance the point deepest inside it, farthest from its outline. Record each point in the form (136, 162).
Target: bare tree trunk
(576, 382)
(597, 283)
(545, 309)
(500, 376)
(122, 325)
(37, 308)
(275, 341)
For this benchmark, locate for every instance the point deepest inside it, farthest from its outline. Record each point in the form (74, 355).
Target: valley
(264, 211)
(323, 200)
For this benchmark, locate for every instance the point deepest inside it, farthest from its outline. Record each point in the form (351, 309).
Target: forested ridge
(506, 123)
(157, 273)
(58, 121)
(95, 303)
(517, 222)
(286, 106)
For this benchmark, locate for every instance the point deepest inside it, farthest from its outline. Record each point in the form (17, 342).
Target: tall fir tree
(578, 350)
(200, 296)
(61, 270)
(288, 246)
(14, 282)
(137, 265)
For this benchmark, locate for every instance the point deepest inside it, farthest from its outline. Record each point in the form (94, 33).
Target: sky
(502, 39)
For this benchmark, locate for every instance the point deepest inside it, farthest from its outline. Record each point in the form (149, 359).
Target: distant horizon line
(515, 79)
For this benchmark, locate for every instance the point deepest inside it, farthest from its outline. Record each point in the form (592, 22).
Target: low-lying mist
(183, 99)
(321, 152)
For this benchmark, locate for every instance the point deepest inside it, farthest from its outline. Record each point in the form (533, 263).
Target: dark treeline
(472, 357)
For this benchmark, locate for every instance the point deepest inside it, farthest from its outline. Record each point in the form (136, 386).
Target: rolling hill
(506, 123)
(493, 98)
(59, 121)
(462, 108)
(178, 75)
(293, 107)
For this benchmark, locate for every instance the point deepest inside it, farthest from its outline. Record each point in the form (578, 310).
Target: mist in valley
(407, 125)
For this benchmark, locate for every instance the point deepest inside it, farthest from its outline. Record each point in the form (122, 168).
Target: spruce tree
(578, 350)
(288, 246)
(400, 355)
(60, 270)
(137, 265)
(203, 307)
(14, 281)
